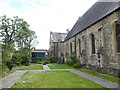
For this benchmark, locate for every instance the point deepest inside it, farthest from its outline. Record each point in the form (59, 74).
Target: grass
(35, 67)
(0, 69)
(60, 66)
(54, 79)
(6, 71)
(104, 76)
(89, 71)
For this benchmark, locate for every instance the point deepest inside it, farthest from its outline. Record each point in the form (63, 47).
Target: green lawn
(0, 69)
(6, 71)
(89, 71)
(60, 66)
(54, 79)
(104, 76)
(34, 67)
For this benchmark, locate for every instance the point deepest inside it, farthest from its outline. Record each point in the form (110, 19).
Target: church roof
(98, 11)
(56, 36)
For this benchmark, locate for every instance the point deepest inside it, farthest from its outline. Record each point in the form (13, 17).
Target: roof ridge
(93, 15)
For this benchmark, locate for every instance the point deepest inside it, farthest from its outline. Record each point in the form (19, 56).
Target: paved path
(9, 80)
(100, 81)
(95, 79)
(45, 67)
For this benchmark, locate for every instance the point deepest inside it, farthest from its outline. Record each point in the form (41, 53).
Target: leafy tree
(25, 38)
(21, 57)
(8, 29)
(15, 32)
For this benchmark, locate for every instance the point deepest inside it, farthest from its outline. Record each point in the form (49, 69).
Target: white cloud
(46, 15)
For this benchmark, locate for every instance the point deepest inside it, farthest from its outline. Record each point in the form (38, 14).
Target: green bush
(77, 65)
(21, 57)
(51, 59)
(39, 62)
(46, 61)
(72, 60)
(16, 58)
(10, 65)
(69, 62)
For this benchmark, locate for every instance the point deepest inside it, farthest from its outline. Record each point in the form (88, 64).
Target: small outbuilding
(38, 55)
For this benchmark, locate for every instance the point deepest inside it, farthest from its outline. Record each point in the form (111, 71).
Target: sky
(44, 16)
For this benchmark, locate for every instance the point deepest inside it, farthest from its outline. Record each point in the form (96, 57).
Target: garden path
(9, 80)
(45, 67)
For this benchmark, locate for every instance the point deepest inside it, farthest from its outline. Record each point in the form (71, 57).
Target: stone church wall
(105, 55)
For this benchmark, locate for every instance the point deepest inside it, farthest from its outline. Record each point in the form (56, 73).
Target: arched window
(79, 46)
(93, 43)
(117, 36)
(70, 48)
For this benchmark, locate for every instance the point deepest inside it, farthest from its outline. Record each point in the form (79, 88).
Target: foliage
(16, 58)
(46, 61)
(6, 71)
(25, 56)
(10, 65)
(15, 33)
(69, 62)
(25, 38)
(39, 62)
(77, 65)
(43, 61)
(21, 57)
(73, 61)
(51, 59)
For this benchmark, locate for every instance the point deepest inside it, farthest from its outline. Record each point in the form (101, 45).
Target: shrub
(72, 60)
(16, 58)
(69, 62)
(51, 59)
(77, 65)
(46, 61)
(10, 65)
(39, 62)
(21, 57)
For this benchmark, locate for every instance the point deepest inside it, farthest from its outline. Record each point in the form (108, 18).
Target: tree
(15, 32)
(25, 38)
(8, 28)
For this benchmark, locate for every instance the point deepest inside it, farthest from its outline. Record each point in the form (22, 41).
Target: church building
(95, 37)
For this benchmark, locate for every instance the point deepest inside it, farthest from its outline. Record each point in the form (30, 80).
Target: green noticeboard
(38, 55)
